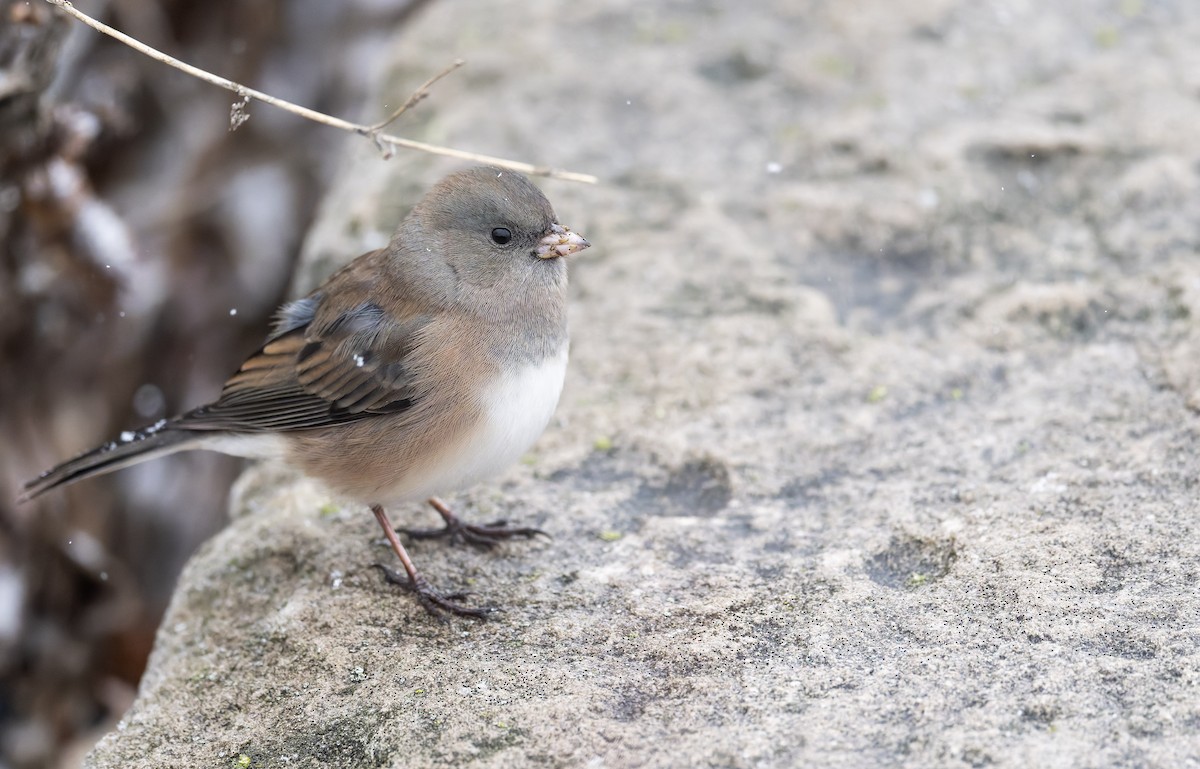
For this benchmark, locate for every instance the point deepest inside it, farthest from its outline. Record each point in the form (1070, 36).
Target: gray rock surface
(879, 442)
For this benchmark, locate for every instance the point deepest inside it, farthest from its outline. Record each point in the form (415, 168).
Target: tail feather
(132, 447)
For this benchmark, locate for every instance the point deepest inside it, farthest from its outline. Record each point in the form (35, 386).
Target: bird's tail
(131, 448)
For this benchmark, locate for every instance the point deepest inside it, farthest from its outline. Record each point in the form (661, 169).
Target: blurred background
(144, 247)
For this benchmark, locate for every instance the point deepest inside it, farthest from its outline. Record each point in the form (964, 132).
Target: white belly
(249, 445)
(516, 410)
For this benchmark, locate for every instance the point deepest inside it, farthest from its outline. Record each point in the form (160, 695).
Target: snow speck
(233, 311)
(149, 401)
(774, 167)
(359, 360)
(128, 436)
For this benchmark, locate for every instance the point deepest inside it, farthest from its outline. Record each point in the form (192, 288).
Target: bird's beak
(559, 241)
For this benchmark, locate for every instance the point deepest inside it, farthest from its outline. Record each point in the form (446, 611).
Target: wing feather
(328, 361)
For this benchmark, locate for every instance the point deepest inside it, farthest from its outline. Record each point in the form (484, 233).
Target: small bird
(415, 370)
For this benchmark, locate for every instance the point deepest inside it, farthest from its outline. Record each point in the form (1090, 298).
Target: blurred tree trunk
(143, 247)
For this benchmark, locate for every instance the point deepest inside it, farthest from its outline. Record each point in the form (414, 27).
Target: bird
(416, 370)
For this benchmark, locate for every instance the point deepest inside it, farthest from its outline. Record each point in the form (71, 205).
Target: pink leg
(432, 600)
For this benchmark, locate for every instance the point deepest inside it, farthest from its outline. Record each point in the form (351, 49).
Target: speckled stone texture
(878, 446)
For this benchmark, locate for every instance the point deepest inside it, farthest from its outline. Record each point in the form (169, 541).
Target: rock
(877, 449)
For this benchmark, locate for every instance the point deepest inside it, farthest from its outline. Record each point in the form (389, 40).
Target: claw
(433, 601)
(484, 536)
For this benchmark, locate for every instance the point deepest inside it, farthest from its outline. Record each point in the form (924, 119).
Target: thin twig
(417, 96)
(320, 117)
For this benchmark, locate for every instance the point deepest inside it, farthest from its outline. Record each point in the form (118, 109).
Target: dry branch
(373, 132)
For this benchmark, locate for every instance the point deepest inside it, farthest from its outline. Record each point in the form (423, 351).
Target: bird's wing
(335, 356)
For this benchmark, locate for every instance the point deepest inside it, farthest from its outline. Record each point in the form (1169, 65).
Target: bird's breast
(514, 407)
(519, 405)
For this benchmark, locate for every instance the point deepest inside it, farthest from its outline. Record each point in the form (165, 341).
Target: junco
(415, 370)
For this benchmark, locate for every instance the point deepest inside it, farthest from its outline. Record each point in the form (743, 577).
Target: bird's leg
(432, 600)
(485, 536)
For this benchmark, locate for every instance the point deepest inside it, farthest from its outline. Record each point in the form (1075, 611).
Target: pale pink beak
(560, 241)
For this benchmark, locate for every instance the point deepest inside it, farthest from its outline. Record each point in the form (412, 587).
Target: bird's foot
(433, 601)
(485, 536)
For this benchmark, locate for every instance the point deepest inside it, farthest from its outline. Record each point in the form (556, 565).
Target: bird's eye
(501, 235)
